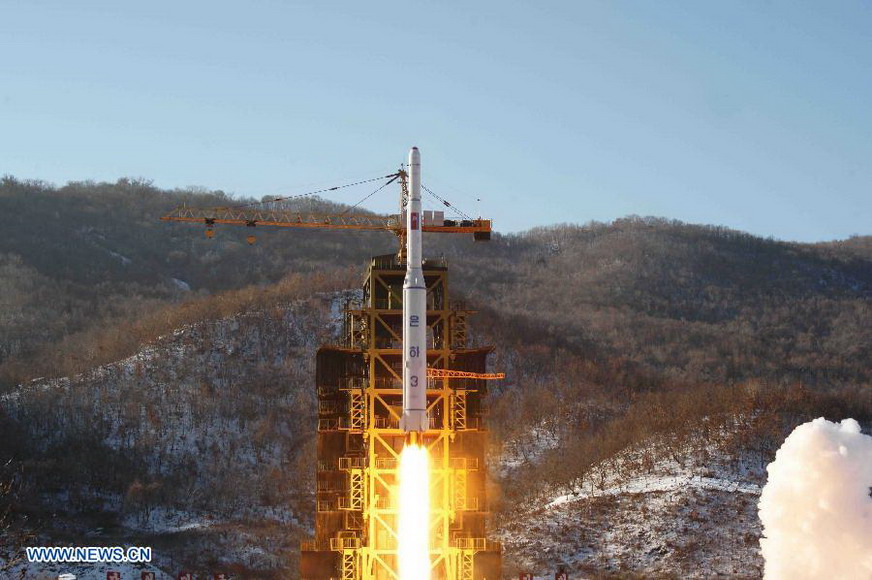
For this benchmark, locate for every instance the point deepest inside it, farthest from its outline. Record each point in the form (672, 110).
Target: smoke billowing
(816, 507)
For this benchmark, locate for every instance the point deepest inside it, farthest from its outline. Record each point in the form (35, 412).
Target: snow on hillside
(693, 516)
(526, 450)
(198, 444)
(215, 424)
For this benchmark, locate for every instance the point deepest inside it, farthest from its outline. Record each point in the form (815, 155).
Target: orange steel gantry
(359, 383)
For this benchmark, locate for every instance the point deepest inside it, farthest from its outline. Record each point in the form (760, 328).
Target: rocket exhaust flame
(414, 514)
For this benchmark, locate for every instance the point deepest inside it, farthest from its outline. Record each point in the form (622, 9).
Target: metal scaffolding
(359, 386)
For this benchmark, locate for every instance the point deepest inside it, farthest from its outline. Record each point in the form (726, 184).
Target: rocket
(414, 418)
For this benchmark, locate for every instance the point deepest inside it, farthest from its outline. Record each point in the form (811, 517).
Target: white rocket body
(414, 418)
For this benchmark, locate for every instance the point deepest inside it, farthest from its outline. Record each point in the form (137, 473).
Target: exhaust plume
(816, 508)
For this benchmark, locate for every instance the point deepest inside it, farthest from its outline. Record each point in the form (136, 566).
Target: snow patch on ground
(181, 284)
(688, 514)
(123, 259)
(527, 449)
(648, 484)
(164, 520)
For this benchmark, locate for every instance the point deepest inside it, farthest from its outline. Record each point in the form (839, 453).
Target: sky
(749, 114)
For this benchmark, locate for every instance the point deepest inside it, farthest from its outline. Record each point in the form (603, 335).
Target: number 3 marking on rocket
(413, 321)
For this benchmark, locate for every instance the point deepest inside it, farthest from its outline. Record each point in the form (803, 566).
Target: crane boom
(294, 219)
(275, 213)
(452, 374)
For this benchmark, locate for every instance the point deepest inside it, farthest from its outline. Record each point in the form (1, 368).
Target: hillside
(690, 302)
(199, 444)
(667, 301)
(86, 255)
(652, 367)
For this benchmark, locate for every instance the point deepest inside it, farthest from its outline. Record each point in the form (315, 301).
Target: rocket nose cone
(414, 156)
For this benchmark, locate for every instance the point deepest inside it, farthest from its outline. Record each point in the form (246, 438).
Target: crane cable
(381, 187)
(393, 176)
(445, 202)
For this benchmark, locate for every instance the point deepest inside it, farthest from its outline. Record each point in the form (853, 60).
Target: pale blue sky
(750, 114)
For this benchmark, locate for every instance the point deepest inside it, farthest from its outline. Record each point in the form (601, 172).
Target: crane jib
(450, 227)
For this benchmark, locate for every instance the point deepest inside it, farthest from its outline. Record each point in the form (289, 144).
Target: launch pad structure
(359, 440)
(376, 394)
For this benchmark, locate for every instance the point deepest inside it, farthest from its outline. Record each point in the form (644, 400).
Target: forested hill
(689, 302)
(638, 354)
(95, 254)
(695, 302)
(93, 234)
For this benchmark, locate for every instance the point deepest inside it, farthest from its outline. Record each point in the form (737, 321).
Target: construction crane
(368, 411)
(277, 212)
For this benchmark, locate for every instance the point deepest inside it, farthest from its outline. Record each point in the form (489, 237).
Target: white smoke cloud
(816, 508)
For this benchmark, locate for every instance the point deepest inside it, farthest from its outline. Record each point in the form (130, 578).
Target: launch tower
(359, 384)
